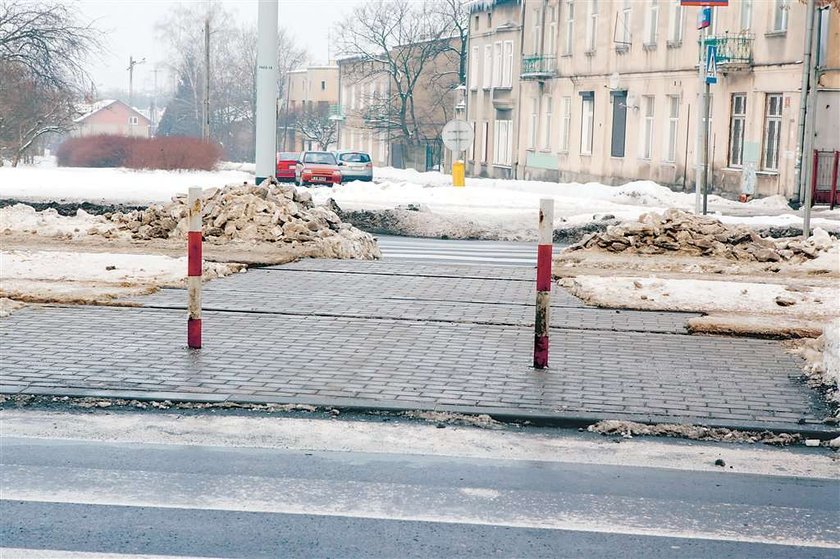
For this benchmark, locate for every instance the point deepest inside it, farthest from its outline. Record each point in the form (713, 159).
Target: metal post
(706, 148)
(266, 134)
(835, 165)
(195, 269)
(541, 322)
(803, 101)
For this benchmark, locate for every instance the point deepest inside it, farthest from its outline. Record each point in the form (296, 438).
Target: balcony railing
(733, 50)
(538, 67)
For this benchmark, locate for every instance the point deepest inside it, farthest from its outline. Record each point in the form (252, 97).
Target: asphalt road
(325, 490)
(448, 252)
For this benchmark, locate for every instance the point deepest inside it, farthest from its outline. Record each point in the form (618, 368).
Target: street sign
(711, 64)
(704, 18)
(716, 3)
(457, 135)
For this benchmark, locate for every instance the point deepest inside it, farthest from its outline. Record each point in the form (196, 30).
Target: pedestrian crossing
(483, 253)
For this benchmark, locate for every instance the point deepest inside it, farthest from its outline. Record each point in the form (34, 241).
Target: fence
(824, 181)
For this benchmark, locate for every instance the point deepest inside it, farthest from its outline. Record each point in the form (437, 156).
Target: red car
(317, 167)
(286, 166)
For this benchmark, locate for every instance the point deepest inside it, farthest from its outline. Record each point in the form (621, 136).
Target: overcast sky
(129, 27)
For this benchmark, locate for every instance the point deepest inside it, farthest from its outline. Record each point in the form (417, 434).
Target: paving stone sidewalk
(372, 334)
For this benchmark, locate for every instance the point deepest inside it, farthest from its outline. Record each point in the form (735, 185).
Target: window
(565, 123)
(592, 26)
(475, 27)
(503, 142)
(626, 23)
(780, 15)
(487, 74)
(619, 123)
(652, 23)
(772, 132)
(497, 64)
(489, 20)
(675, 23)
(352, 96)
(382, 149)
(547, 123)
(673, 128)
(551, 39)
(507, 65)
(323, 85)
(474, 67)
(587, 123)
(737, 120)
(485, 141)
(570, 27)
(537, 46)
(472, 145)
(746, 14)
(133, 120)
(532, 129)
(647, 126)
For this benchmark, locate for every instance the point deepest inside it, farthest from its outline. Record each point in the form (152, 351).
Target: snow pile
(629, 429)
(679, 232)
(49, 223)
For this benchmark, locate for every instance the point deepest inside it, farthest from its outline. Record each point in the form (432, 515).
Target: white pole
(266, 135)
(699, 184)
(801, 157)
(810, 124)
(195, 268)
(543, 303)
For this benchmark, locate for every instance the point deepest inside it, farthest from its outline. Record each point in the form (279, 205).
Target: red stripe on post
(540, 352)
(544, 268)
(194, 267)
(194, 332)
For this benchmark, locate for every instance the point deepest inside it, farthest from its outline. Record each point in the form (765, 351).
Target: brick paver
(401, 340)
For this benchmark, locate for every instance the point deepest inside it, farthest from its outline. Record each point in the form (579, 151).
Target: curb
(560, 420)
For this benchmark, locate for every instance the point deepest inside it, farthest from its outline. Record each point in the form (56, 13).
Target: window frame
(568, 44)
(647, 128)
(587, 123)
(772, 119)
(565, 123)
(672, 137)
(736, 134)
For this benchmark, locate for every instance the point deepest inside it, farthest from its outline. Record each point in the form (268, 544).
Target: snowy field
(489, 208)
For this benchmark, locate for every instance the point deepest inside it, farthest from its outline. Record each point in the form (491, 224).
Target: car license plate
(358, 167)
(319, 179)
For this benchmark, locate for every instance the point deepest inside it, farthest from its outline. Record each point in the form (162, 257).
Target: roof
(87, 110)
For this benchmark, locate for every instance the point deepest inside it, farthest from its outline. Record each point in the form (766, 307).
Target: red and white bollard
(546, 234)
(195, 268)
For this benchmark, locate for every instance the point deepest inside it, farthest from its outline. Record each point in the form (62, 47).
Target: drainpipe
(518, 104)
(803, 100)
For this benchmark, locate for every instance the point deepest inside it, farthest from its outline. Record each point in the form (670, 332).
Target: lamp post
(131, 64)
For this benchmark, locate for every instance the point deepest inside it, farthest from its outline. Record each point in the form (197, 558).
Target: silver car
(355, 166)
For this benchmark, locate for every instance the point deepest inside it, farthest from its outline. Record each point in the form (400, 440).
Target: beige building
(111, 117)
(370, 102)
(311, 89)
(607, 90)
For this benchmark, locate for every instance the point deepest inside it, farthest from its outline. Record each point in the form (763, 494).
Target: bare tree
(42, 55)
(317, 126)
(410, 43)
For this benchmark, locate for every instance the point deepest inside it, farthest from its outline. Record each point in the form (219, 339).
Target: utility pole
(701, 152)
(131, 64)
(803, 101)
(810, 120)
(205, 127)
(266, 129)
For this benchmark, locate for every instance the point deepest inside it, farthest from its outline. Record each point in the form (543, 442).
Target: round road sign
(457, 135)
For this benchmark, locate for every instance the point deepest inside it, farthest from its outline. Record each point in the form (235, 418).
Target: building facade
(311, 90)
(607, 91)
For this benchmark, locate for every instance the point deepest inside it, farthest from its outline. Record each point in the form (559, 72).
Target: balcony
(734, 51)
(538, 67)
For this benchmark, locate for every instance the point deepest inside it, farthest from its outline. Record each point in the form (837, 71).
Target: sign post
(458, 137)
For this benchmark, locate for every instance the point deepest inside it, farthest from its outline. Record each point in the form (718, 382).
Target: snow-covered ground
(492, 208)
(88, 277)
(509, 207)
(46, 182)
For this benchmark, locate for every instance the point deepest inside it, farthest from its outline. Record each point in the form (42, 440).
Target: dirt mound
(680, 232)
(268, 213)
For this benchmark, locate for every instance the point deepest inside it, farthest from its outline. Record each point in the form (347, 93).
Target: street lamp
(131, 64)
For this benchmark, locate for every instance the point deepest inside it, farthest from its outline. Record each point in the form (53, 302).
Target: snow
(508, 207)
(63, 276)
(707, 296)
(44, 182)
(488, 208)
(48, 223)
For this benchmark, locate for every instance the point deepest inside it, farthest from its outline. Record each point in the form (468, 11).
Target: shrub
(168, 153)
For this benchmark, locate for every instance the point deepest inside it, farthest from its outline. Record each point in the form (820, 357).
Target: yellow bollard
(458, 173)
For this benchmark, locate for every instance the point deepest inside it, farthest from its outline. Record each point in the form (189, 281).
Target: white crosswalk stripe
(485, 253)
